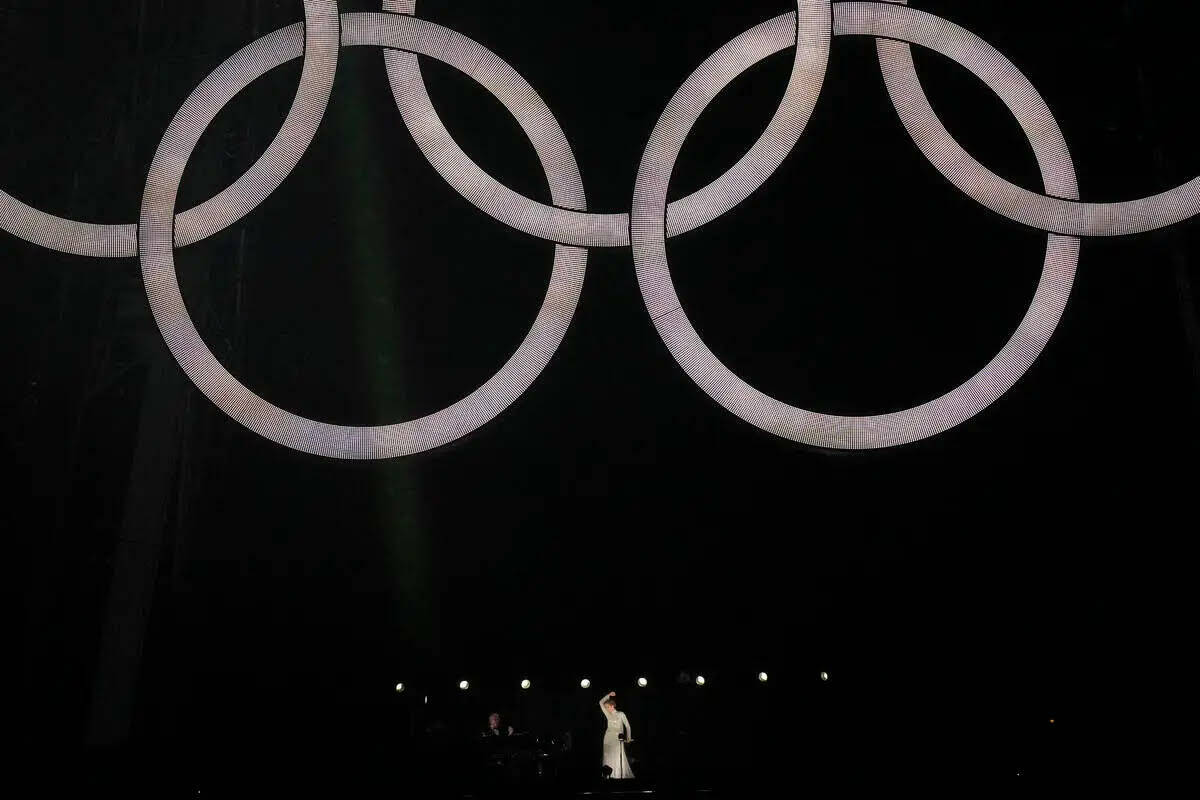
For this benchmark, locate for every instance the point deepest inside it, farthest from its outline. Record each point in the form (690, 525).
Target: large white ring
(317, 38)
(321, 438)
(1064, 214)
(883, 430)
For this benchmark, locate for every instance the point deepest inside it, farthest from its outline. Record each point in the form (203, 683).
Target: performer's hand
(510, 730)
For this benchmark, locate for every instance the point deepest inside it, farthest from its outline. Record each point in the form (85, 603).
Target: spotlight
(699, 680)
(585, 683)
(824, 676)
(525, 684)
(464, 685)
(762, 677)
(642, 682)
(399, 687)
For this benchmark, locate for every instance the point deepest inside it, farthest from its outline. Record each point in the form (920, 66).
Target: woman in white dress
(614, 748)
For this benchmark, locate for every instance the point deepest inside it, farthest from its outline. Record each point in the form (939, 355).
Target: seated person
(494, 729)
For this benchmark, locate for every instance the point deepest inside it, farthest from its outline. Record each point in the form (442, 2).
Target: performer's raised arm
(605, 707)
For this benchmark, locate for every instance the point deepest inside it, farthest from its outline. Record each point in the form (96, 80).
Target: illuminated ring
(317, 39)
(567, 226)
(1053, 214)
(827, 430)
(291, 430)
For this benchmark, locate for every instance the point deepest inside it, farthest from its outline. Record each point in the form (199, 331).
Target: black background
(1030, 564)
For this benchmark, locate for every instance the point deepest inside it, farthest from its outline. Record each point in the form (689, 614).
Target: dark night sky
(614, 519)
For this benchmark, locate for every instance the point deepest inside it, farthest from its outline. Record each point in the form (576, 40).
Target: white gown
(614, 748)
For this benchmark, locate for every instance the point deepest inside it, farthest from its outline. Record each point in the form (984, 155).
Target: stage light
(525, 684)
(585, 683)
(699, 680)
(642, 683)
(824, 676)
(762, 677)
(464, 685)
(399, 687)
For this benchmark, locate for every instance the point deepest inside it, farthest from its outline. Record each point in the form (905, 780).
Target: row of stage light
(586, 683)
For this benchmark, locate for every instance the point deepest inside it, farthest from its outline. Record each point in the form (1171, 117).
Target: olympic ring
(566, 221)
(320, 43)
(380, 441)
(834, 431)
(1053, 214)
